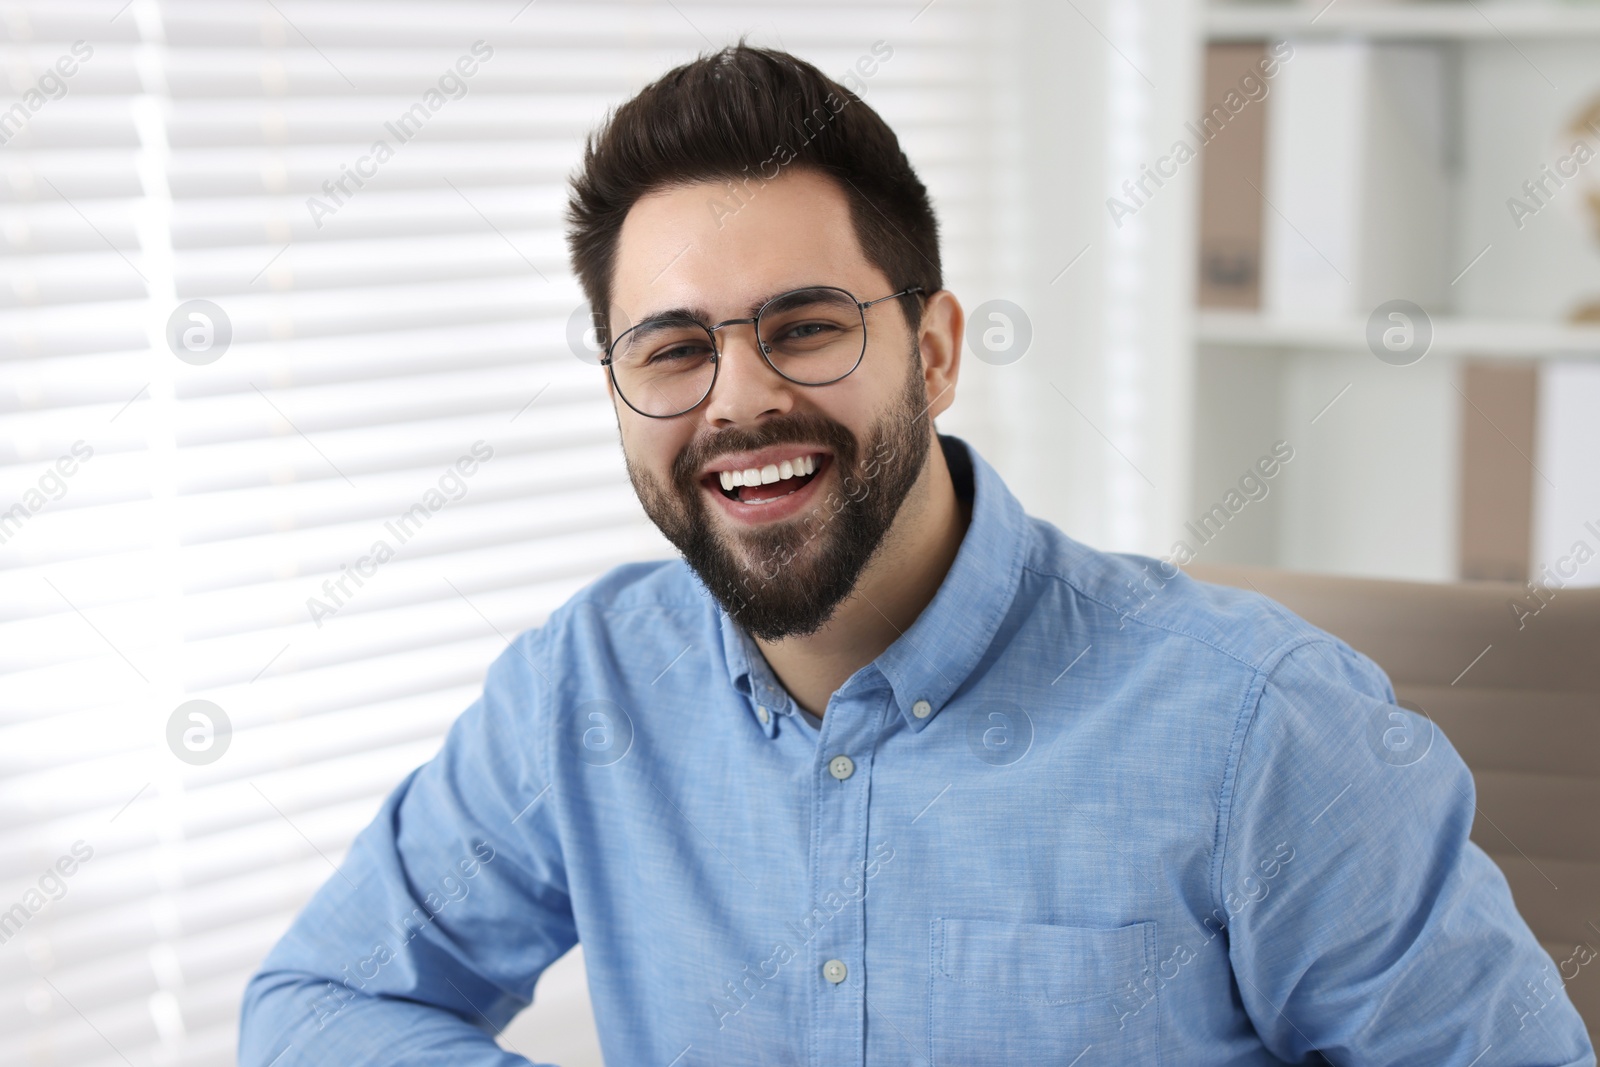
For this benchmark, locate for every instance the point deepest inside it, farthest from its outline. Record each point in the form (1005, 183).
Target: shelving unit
(1452, 336)
(1377, 485)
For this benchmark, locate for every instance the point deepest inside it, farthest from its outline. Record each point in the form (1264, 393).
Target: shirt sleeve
(1362, 921)
(431, 934)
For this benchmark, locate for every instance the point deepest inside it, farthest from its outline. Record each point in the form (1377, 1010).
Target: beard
(786, 579)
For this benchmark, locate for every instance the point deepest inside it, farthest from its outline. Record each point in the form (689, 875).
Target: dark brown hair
(746, 115)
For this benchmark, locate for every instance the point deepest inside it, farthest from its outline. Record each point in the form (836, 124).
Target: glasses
(666, 366)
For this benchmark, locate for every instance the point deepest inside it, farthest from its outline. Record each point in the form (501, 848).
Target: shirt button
(834, 971)
(763, 714)
(841, 767)
(922, 709)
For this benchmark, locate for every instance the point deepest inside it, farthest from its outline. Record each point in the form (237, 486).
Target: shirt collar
(932, 659)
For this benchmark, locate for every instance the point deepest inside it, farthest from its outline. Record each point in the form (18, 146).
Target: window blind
(292, 425)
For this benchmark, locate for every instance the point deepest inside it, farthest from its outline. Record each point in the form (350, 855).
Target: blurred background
(300, 422)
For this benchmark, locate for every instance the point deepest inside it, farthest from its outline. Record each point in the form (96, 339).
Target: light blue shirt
(1084, 811)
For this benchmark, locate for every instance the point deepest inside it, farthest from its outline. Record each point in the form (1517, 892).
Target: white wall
(1091, 427)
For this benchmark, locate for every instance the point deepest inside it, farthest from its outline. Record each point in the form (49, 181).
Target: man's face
(781, 567)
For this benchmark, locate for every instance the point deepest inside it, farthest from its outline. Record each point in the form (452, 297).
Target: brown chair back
(1517, 692)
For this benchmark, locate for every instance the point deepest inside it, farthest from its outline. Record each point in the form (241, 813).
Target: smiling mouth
(770, 491)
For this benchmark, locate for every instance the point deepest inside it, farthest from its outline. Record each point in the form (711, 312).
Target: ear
(939, 338)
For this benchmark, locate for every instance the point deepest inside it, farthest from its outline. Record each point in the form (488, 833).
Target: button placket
(851, 725)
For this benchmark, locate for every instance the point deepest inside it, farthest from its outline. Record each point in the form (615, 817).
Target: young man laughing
(879, 772)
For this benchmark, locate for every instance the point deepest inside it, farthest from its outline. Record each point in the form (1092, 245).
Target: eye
(678, 354)
(802, 331)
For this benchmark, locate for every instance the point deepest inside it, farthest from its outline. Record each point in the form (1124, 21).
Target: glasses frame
(761, 346)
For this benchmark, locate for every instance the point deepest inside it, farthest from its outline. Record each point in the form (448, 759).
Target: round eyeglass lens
(664, 366)
(813, 336)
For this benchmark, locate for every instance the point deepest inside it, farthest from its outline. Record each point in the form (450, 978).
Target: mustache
(797, 429)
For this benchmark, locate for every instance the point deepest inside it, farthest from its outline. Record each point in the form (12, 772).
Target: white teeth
(798, 467)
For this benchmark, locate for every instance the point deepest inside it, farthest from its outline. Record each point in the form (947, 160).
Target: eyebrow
(699, 315)
(680, 314)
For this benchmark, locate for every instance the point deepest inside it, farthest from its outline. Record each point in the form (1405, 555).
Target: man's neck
(892, 591)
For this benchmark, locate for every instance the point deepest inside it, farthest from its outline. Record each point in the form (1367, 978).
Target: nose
(747, 388)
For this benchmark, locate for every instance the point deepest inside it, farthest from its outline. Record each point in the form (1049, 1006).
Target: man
(884, 771)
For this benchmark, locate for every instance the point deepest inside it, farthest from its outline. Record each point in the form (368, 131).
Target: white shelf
(1508, 338)
(1438, 20)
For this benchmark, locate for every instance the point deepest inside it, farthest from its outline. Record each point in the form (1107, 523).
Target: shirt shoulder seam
(534, 647)
(1249, 711)
(607, 610)
(1272, 655)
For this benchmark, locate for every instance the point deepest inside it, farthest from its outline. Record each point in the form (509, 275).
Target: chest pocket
(1007, 993)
